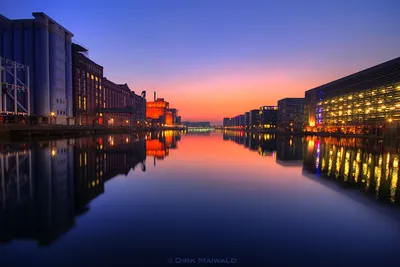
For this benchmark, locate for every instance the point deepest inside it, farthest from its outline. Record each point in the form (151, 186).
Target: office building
(226, 122)
(45, 46)
(290, 114)
(254, 118)
(268, 117)
(247, 120)
(365, 102)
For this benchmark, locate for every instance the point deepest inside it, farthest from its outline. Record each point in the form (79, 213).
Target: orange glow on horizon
(213, 93)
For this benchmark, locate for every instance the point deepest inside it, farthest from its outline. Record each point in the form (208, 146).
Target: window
(92, 76)
(97, 79)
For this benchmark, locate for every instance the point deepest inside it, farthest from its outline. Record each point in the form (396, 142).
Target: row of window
(60, 101)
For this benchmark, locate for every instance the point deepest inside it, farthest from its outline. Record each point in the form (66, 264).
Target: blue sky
(176, 46)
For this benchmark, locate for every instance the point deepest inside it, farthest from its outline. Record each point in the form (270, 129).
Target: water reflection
(45, 185)
(372, 165)
(264, 144)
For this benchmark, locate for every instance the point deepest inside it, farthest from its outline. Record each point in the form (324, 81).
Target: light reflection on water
(139, 200)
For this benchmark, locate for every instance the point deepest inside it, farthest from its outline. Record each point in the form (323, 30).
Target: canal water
(199, 199)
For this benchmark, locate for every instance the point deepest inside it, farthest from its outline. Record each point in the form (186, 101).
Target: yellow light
(390, 119)
(360, 95)
(101, 114)
(127, 140)
(52, 114)
(350, 97)
(101, 147)
(93, 183)
(53, 152)
(127, 121)
(112, 142)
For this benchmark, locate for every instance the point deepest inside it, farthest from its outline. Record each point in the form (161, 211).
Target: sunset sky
(215, 58)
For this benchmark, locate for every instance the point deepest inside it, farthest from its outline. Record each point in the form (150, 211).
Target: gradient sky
(215, 58)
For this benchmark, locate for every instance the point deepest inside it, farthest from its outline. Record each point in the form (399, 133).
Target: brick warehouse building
(99, 101)
(118, 109)
(88, 93)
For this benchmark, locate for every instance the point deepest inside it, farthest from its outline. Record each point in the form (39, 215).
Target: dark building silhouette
(43, 187)
(268, 117)
(290, 114)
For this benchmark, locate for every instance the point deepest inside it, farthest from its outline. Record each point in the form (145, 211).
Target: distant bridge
(200, 129)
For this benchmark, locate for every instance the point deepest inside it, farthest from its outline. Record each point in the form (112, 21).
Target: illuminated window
(87, 74)
(84, 102)
(97, 79)
(92, 76)
(79, 102)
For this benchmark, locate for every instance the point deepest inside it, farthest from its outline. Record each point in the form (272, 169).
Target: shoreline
(28, 132)
(323, 134)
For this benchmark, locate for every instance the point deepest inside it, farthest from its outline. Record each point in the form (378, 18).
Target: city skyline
(222, 59)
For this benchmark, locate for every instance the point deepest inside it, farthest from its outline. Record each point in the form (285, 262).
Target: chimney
(155, 96)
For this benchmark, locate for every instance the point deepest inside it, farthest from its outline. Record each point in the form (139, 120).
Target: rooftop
(41, 14)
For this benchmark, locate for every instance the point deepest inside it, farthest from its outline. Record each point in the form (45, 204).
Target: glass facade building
(364, 102)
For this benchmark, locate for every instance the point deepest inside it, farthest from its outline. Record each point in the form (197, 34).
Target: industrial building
(45, 47)
(117, 109)
(290, 114)
(365, 102)
(139, 107)
(88, 92)
(156, 110)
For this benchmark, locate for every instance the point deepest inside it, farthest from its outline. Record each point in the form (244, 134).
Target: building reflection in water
(45, 185)
(372, 165)
(158, 144)
(264, 144)
(289, 150)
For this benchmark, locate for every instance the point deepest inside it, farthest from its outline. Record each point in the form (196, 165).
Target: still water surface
(161, 200)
